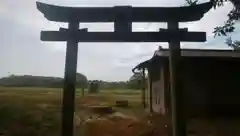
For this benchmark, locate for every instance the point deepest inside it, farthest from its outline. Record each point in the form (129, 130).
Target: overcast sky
(22, 52)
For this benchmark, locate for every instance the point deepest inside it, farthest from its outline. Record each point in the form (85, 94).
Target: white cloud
(108, 61)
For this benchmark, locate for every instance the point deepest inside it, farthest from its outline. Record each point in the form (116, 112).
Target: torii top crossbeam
(122, 18)
(133, 14)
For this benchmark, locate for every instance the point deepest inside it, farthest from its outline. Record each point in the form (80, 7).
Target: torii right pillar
(177, 104)
(177, 96)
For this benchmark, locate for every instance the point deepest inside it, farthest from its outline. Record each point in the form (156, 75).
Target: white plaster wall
(156, 96)
(158, 100)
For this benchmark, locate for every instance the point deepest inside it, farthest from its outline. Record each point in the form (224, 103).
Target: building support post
(70, 81)
(150, 91)
(143, 88)
(177, 101)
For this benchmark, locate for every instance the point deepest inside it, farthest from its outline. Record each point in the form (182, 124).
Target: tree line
(134, 82)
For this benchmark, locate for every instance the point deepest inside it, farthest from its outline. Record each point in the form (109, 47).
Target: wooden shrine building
(210, 82)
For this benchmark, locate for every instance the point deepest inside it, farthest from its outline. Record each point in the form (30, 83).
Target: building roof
(163, 53)
(201, 53)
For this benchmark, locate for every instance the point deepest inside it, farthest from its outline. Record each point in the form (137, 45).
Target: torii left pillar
(69, 86)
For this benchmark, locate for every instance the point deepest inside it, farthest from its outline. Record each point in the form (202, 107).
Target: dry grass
(36, 112)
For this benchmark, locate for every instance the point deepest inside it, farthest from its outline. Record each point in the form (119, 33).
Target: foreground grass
(37, 111)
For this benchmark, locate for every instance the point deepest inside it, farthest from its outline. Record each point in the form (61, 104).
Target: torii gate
(122, 16)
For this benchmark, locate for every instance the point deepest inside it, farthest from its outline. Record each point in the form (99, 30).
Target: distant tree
(229, 25)
(82, 82)
(191, 3)
(40, 81)
(135, 81)
(57, 82)
(111, 85)
(29, 80)
(234, 44)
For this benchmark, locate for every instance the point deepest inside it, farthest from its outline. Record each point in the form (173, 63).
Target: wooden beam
(68, 102)
(177, 101)
(83, 36)
(138, 14)
(122, 22)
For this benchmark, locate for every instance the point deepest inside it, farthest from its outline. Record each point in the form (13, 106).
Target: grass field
(37, 111)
